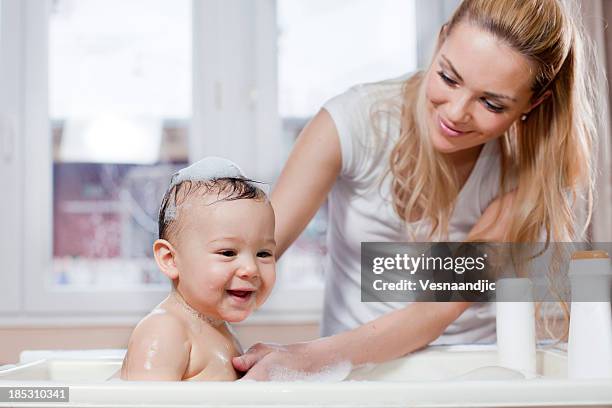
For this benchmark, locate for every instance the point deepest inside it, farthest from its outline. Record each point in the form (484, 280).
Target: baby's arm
(158, 350)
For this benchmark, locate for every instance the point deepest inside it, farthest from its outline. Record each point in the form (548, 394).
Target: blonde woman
(494, 141)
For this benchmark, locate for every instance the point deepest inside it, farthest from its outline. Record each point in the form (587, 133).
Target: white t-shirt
(361, 210)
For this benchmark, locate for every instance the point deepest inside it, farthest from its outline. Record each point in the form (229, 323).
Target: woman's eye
(264, 254)
(227, 252)
(446, 79)
(492, 107)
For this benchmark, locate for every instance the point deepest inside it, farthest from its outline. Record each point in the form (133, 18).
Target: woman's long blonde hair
(549, 156)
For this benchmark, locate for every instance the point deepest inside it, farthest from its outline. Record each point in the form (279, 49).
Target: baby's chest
(211, 358)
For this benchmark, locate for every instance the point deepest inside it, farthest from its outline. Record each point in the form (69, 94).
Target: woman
(494, 141)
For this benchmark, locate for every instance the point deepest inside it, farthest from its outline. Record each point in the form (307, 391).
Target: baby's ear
(165, 256)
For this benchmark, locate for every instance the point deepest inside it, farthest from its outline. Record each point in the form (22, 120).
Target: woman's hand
(331, 358)
(299, 361)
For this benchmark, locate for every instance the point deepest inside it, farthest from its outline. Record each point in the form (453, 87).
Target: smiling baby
(216, 244)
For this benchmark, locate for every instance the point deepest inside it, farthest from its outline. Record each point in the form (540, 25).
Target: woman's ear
(165, 256)
(538, 101)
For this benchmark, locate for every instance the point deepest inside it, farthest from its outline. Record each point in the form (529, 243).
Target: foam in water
(491, 373)
(331, 373)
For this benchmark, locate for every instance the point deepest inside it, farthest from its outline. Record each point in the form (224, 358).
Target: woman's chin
(442, 144)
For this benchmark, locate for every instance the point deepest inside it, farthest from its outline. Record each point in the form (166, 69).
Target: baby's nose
(248, 269)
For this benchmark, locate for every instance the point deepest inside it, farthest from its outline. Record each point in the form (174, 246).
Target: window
(326, 47)
(11, 99)
(119, 105)
(113, 104)
(108, 109)
(323, 49)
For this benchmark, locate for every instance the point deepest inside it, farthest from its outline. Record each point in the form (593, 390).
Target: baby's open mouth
(240, 295)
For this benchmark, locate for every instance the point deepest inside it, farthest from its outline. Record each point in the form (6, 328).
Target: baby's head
(216, 240)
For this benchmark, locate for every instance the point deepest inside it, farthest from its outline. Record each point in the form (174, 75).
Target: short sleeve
(350, 113)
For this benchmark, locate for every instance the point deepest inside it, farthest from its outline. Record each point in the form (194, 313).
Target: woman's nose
(458, 111)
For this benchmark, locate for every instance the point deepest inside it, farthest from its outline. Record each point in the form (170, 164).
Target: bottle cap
(590, 255)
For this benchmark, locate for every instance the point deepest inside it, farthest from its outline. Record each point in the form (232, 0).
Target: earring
(524, 117)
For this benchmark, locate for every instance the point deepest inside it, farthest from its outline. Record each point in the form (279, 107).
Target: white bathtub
(423, 379)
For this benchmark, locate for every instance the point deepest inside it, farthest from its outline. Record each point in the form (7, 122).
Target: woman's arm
(307, 178)
(493, 224)
(390, 336)
(394, 334)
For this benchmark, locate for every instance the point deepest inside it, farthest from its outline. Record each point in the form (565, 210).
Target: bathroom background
(101, 100)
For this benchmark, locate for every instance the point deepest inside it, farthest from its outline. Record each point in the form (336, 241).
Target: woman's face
(476, 88)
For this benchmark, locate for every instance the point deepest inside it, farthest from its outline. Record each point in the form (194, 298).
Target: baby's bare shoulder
(158, 349)
(162, 328)
(164, 320)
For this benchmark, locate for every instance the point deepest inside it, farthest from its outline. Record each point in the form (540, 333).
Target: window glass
(325, 47)
(120, 106)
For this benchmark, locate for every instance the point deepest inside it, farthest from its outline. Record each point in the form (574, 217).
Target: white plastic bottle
(516, 337)
(590, 336)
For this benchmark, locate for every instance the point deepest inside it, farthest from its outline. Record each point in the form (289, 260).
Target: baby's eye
(227, 252)
(264, 254)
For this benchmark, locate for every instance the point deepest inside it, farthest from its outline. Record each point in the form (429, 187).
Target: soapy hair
(548, 159)
(226, 189)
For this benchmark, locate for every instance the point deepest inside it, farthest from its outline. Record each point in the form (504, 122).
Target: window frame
(245, 79)
(11, 154)
(39, 297)
(214, 89)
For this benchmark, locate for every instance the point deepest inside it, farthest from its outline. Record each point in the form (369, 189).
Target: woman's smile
(450, 130)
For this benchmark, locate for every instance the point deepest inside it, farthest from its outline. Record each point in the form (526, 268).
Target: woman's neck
(463, 161)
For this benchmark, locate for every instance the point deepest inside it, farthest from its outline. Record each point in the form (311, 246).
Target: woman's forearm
(418, 324)
(392, 335)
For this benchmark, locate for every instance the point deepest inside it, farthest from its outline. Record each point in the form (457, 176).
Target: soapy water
(331, 373)
(340, 372)
(491, 373)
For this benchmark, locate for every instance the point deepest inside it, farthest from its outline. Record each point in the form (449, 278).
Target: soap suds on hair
(209, 168)
(209, 175)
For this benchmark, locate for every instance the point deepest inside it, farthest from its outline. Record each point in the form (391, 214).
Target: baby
(216, 244)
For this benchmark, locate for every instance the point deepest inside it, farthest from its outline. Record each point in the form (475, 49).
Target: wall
(15, 340)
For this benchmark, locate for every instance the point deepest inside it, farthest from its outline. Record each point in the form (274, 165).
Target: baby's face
(225, 255)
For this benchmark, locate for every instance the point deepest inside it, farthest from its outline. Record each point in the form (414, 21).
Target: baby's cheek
(220, 277)
(268, 280)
